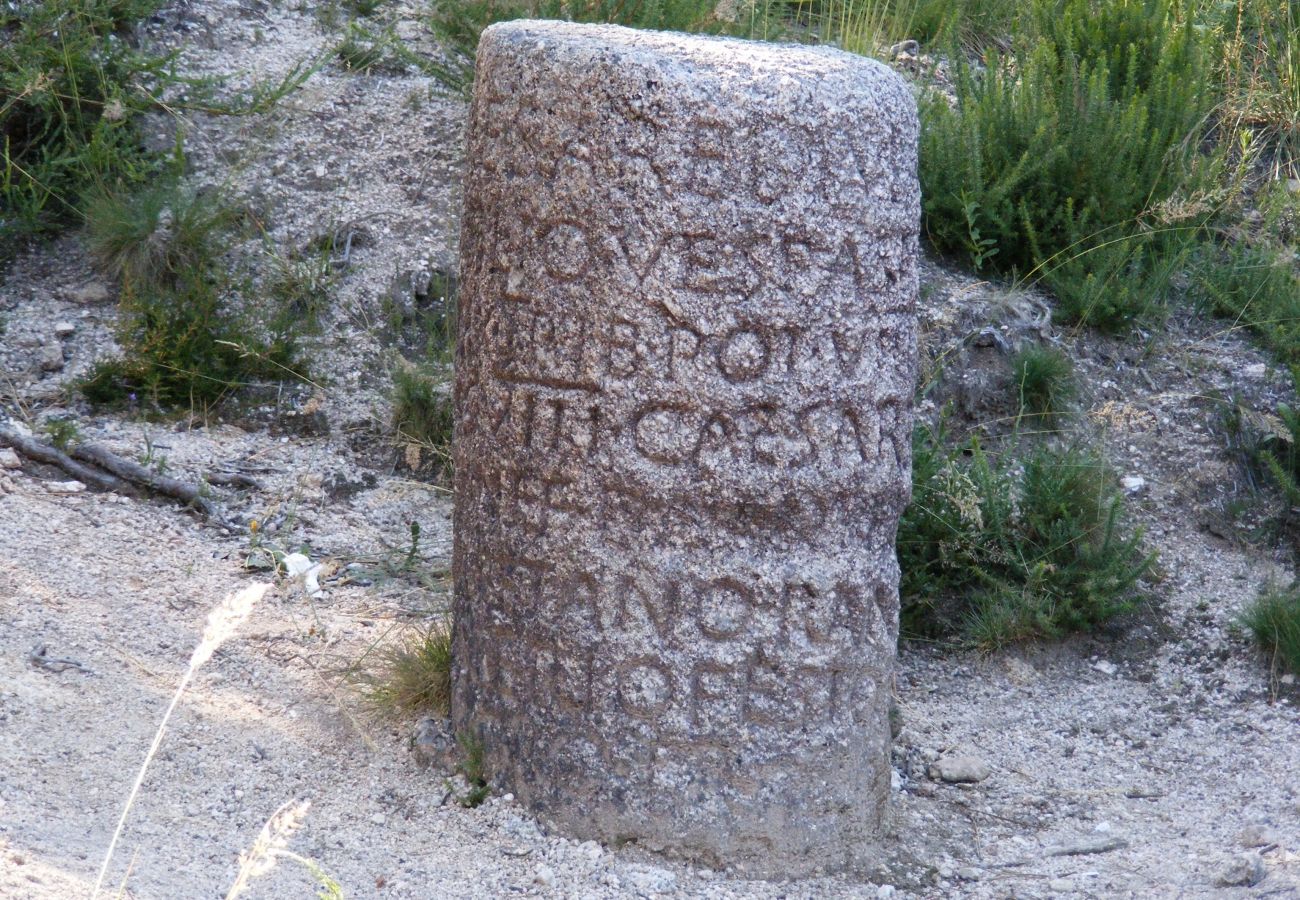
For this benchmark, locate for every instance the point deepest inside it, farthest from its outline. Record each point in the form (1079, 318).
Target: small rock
(378, 819)
(651, 880)
(1105, 667)
(1254, 370)
(1245, 870)
(64, 329)
(64, 487)
(968, 873)
(94, 292)
(1084, 846)
(1133, 484)
(9, 459)
(431, 743)
(7, 485)
(1060, 885)
(545, 876)
(591, 849)
(886, 892)
(1288, 678)
(51, 357)
(1256, 836)
(960, 769)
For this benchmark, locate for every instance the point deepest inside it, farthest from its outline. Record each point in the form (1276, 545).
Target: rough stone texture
(684, 383)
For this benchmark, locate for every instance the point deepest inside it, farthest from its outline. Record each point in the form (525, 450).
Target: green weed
(472, 766)
(1043, 377)
(1273, 619)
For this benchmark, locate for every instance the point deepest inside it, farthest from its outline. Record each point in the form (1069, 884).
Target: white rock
(9, 459)
(590, 849)
(545, 876)
(64, 487)
(64, 329)
(1133, 483)
(1254, 370)
(1105, 667)
(960, 769)
(885, 892)
(51, 357)
(296, 564)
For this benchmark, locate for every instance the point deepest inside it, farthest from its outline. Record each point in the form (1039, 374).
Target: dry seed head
(224, 620)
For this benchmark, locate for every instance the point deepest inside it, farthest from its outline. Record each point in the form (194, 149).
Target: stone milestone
(684, 382)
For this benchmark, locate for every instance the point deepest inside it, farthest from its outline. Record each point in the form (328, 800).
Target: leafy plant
(995, 550)
(1273, 619)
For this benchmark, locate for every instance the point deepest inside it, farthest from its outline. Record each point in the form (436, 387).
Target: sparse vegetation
(1043, 377)
(1273, 619)
(423, 417)
(72, 89)
(1022, 545)
(473, 769)
(1061, 155)
(190, 331)
(414, 674)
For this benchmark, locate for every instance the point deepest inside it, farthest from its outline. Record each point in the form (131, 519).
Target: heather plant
(1053, 153)
(1027, 544)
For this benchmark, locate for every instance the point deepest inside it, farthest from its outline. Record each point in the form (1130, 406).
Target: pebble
(51, 357)
(64, 329)
(960, 769)
(94, 292)
(886, 892)
(431, 744)
(64, 487)
(9, 459)
(1245, 870)
(651, 880)
(1254, 370)
(591, 849)
(1257, 836)
(1105, 667)
(1060, 885)
(545, 876)
(969, 873)
(1133, 483)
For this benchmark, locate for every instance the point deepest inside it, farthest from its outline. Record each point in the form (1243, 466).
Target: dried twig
(41, 452)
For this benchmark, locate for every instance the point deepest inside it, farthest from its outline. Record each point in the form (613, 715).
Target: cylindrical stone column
(683, 391)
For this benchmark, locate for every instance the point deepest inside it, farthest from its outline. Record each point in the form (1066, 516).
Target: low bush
(1273, 619)
(422, 414)
(1254, 286)
(1027, 545)
(414, 674)
(459, 23)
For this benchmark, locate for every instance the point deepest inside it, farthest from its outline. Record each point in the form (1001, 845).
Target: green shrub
(1052, 154)
(1274, 621)
(185, 338)
(1043, 377)
(1026, 546)
(72, 88)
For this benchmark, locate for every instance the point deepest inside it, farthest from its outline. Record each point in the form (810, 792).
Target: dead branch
(112, 472)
